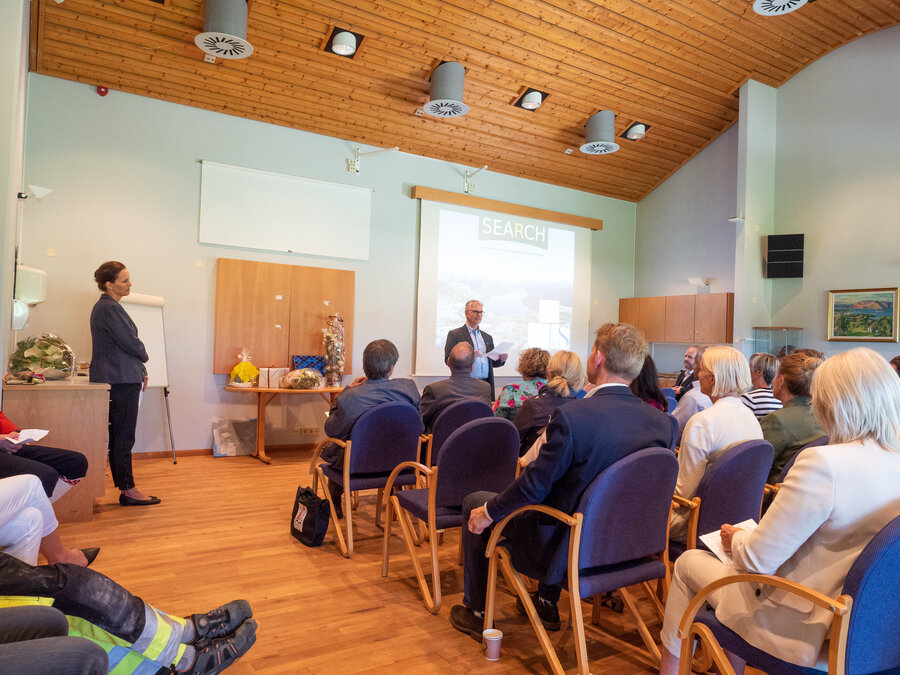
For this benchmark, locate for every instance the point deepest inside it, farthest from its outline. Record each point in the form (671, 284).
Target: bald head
(461, 359)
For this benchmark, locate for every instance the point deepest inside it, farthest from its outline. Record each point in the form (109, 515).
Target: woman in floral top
(533, 368)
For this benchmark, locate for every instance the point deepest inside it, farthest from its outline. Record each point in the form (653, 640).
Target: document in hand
(29, 435)
(502, 348)
(713, 540)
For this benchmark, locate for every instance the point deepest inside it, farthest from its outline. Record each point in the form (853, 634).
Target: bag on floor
(309, 519)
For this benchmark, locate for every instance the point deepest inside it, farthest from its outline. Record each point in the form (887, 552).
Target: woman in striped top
(760, 399)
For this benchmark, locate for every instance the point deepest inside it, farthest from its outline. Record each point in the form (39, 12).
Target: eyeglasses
(476, 311)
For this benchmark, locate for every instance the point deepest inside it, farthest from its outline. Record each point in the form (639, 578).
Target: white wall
(125, 175)
(838, 181)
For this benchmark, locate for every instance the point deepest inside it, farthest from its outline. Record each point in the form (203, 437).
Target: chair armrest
(388, 487)
(837, 606)
(564, 518)
(681, 502)
(318, 451)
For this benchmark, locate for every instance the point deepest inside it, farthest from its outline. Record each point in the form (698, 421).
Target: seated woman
(57, 469)
(533, 369)
(794, 426)
(760, 399)
(724, 375)
(834, 500)
(646, 386)
(565, 377)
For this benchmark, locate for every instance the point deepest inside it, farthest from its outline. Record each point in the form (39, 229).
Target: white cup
(492, 638)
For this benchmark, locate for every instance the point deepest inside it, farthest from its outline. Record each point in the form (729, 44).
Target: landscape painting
(865, 315)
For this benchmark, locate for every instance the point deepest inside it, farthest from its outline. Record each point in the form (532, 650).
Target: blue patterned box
(308, 361)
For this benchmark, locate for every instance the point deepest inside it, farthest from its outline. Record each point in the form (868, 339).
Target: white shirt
(690, 404)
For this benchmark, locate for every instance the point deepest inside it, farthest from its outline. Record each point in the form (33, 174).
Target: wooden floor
(222, 532)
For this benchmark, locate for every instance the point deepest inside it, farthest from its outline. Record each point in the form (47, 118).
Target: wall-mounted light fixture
(698, 281)
(35, 191)
(353, 164)
(636, 131)
(343, 42)
(531, 99)
(468, 185)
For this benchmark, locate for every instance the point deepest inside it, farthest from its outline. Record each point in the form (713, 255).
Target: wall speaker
(783, 256)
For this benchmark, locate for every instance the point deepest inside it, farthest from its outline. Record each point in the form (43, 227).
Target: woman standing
(118, 359)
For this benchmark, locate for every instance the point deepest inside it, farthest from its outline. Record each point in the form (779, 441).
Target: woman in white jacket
(832, 502)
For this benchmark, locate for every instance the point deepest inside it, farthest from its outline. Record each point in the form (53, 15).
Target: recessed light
(531, 99)
(343, 42)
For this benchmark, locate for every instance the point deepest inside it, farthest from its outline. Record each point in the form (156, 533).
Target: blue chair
(731, 492)
(383, 437)
(667, 392)
(772, 490)
(671, 403)
(863, 634)
(452, 418)
(480, 455)
(616, 538)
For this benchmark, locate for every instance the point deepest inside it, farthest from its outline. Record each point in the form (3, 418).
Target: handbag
(310, 516)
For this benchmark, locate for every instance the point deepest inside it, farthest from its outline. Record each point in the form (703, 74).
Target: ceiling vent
(599, 133)
(777, 7)
(447, 82)
(225, 30)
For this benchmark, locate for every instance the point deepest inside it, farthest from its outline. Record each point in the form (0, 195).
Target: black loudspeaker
(783, 256)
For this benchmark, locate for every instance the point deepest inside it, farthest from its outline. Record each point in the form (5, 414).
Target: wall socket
(304, 431)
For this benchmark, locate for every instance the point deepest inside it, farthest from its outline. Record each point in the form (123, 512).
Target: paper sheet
(502, 348)
(29, 435)
(713, 540)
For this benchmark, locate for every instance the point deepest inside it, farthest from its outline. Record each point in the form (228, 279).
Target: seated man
(458, 387)
(58, 469)
(686, 376)
(379, 358)
(583, 438)
(693, 400)
(760, 399)
(137, 637)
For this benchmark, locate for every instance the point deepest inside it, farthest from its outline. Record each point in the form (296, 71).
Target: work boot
(219, 622)
(219, 653)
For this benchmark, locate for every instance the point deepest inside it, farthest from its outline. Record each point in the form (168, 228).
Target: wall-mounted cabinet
(705, 319)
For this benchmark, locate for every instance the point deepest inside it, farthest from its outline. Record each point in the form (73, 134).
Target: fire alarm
(103, 91)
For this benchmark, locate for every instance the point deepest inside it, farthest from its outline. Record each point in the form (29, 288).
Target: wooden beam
(421, 192)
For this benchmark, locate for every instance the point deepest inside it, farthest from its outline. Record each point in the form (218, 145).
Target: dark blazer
(438, 395)
(354, 401)
(583, 438)
(457, 335)
(118, 356)
(535, 415)
(684, 382)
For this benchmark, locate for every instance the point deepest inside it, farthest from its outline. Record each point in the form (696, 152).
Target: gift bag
(309, 519)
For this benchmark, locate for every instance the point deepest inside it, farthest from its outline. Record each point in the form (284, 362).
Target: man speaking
(480, 341)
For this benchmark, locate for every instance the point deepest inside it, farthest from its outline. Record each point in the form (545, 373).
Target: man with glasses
(481, 342)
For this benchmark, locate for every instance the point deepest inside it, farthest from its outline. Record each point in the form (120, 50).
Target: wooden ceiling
(675, 65)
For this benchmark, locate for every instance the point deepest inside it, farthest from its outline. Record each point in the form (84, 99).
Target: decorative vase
(334, 350)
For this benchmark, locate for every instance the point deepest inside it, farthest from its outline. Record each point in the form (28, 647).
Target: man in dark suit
(460, 386)
(583, 438)
(481, 342)
(685, 379)
(379, 358)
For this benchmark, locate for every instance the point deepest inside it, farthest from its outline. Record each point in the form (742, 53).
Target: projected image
(521, 269)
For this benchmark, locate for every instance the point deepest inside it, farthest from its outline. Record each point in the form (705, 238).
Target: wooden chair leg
(644, 632)
(386, 545)
(432, 601)
(348, 516)
(378, 498)
(342, 546)
(710, 645)
(654, 600)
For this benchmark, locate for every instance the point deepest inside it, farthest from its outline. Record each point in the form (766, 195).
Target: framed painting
(864, 315)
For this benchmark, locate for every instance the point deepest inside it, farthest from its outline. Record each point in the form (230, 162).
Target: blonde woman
(833, 501)
(533, 369)
(565, 378)
(724, 375)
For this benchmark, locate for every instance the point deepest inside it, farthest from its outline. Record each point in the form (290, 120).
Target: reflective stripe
(123, 660)
(161, 636)
(19, 600)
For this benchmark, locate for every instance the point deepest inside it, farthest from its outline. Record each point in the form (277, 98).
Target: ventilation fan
(599, 133)
(444, 107)
(447, 82)
(223, 45)
(225, 30)
(599, 148)
(776, 7)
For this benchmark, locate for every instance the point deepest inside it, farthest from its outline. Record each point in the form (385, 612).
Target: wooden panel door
(680, 318)
(653, 318)
(714, 318)
(253, 310)
(629, 311)
(315, 294)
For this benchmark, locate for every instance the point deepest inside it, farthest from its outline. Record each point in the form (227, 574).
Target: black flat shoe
(90, 554)
(125, 500)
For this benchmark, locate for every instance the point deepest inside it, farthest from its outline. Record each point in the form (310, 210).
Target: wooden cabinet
(702, 319)
(76, 415)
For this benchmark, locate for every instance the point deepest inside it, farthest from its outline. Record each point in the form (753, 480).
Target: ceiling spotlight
(343, 42)
(532, 99)
(636, 131)
(599, 133)
(777, 7)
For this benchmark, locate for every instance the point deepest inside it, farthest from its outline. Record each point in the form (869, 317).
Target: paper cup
(492, 638)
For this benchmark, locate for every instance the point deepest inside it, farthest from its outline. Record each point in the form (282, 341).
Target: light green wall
(125, 173)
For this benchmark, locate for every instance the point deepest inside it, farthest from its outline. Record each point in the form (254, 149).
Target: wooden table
(266, 394)
(76, 413)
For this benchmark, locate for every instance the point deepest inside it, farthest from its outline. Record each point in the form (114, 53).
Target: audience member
(896, 363)
(138, 638)
(57, 469)
(760, 399)
(806, 351)
(533, 369)
(28, 524)
(794, 426)
(724, 375)
(834, 500)
(646, 386)
(481, 342)
(583, 438)
(693, 400)
(460, 386)
(686, 376)
(565, 378)
(379, 358)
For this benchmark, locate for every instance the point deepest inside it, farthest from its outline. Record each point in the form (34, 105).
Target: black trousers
(48, 464)
(34, 641)
(123, 412)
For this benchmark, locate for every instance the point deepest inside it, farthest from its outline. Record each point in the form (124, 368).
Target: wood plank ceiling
(675, 65)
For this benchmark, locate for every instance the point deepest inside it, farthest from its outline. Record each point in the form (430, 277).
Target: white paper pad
(713, 540)
(502, 348)
(28, 435)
